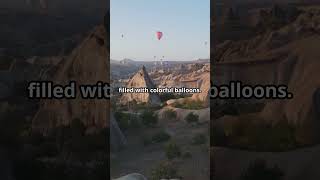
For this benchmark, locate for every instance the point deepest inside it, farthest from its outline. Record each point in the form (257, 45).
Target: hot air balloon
(159, 34)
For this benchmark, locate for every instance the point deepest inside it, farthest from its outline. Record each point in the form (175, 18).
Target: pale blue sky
(185, 25)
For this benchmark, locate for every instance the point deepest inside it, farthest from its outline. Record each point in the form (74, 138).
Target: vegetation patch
(159, 137)
(149, 118)
(164, 170)
(190, 104)
(172, 150)
(199, 139)
(135, 106)
(127, 121)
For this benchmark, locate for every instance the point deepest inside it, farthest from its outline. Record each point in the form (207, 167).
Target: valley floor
(137, 158)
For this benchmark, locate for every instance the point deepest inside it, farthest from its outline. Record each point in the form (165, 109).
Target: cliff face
(295, 63)
(87, 64)
(140, 80)
(303, 81)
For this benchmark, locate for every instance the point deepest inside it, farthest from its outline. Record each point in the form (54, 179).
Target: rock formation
(294, 46)
(204, 82)
(141, 80)
(87, 64)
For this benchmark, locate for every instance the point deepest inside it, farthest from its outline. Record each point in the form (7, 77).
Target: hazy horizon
(185, 26)
(139, 60)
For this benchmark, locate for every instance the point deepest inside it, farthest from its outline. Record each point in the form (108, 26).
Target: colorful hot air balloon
(159, 35)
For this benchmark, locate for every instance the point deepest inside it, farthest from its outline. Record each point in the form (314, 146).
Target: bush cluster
(164, 170)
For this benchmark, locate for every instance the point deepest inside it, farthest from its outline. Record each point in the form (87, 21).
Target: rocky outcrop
(305, 25)
(294, 46)
(141, 80)
(204, 82)
(87, 64)
(301, 110)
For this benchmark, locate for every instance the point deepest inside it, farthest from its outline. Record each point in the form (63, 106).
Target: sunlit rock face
(87, 64)
(141, 80)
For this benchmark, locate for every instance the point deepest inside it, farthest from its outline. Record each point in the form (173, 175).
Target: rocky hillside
(87, 64)
(297, 43)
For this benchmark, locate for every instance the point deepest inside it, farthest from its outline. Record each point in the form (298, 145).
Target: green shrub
(161, 136)
(165, 170)
(192, 118)
(259, 170)
(127, 121)
(123, 120)
(199, 139)
(172, 150)
(170, 114)
(149, 119)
